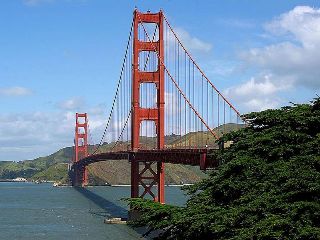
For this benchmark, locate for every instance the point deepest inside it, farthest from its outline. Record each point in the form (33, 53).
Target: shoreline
(10, 180)
(111, 185)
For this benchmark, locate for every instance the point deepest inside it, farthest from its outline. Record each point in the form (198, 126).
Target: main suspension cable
(117, 90)
(202, 73)
(176, 84)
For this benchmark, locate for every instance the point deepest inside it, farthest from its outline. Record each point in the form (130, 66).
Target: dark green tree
(267, 187)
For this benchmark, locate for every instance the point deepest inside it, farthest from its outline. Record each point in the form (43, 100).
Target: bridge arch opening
(81, 119)
(81, 130)
(148, 135)
(148, 95)
(148, 61)
(152, 30)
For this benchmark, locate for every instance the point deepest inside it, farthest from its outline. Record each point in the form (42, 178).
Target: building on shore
(19, 179)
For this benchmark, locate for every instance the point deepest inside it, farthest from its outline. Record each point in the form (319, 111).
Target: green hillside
(54, 166)
(56, 172)
(205, 137)
(29, 168)
(118, 172)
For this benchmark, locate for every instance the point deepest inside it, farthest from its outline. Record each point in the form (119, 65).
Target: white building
(19, 179)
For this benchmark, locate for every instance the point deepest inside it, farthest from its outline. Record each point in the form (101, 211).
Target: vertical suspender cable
(207, 135)
(185, 103)
(117, 90)
(202, 111)
(219, 113)
(189, 115)
(224, 117)
(179, 99)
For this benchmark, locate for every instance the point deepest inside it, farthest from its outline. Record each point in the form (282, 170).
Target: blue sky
(58, 57)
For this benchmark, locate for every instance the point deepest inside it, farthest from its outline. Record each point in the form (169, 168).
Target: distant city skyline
(59, 57)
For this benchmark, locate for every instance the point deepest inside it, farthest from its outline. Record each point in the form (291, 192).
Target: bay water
(40, 211)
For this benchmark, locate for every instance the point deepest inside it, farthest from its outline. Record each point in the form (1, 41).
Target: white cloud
(259, 104)
(302, 23)
(263, 86)
(257, 94)
(291, 61)
(222, 67)
(72, 104)
(298, 56)
(30, 135)
(192, 43)
(15, 91)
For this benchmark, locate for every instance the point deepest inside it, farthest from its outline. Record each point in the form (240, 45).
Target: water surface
(40, 211)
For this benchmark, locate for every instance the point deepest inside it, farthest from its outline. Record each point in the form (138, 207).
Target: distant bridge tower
(81, 149)
(140, 114)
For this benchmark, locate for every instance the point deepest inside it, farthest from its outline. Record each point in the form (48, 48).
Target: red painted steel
(205, 158)
(81, 147)
(197, 66)
(147, 166)
(161, 61)
(147, 114)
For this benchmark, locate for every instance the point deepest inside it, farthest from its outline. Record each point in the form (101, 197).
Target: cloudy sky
(58, 57)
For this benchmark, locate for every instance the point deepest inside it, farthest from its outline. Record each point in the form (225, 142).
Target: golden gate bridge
(165, 110)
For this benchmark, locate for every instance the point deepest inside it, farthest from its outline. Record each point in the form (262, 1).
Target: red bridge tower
(139, 114)
(81, 148)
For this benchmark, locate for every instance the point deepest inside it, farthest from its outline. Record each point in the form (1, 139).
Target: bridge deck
(205, 158)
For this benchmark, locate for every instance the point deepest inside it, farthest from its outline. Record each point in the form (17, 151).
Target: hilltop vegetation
(54, 166)
(30, 168)
(119, 172)
(57, 172)
(268, 186)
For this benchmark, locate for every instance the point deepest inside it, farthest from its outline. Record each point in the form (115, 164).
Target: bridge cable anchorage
(117, 90)
(177, 86)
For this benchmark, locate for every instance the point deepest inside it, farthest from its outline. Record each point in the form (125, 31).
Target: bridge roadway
(205, 158)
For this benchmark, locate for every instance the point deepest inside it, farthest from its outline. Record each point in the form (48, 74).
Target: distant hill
(205, 137)
(31, 168)
(54, 166)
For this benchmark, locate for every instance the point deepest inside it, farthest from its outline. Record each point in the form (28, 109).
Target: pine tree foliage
(267, 186)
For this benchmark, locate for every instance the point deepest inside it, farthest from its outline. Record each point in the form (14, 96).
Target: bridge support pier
(85, 180)
(160, 168)
(79, 177)
(147, 174)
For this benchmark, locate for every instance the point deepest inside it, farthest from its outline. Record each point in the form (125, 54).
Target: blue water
(40, 211)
